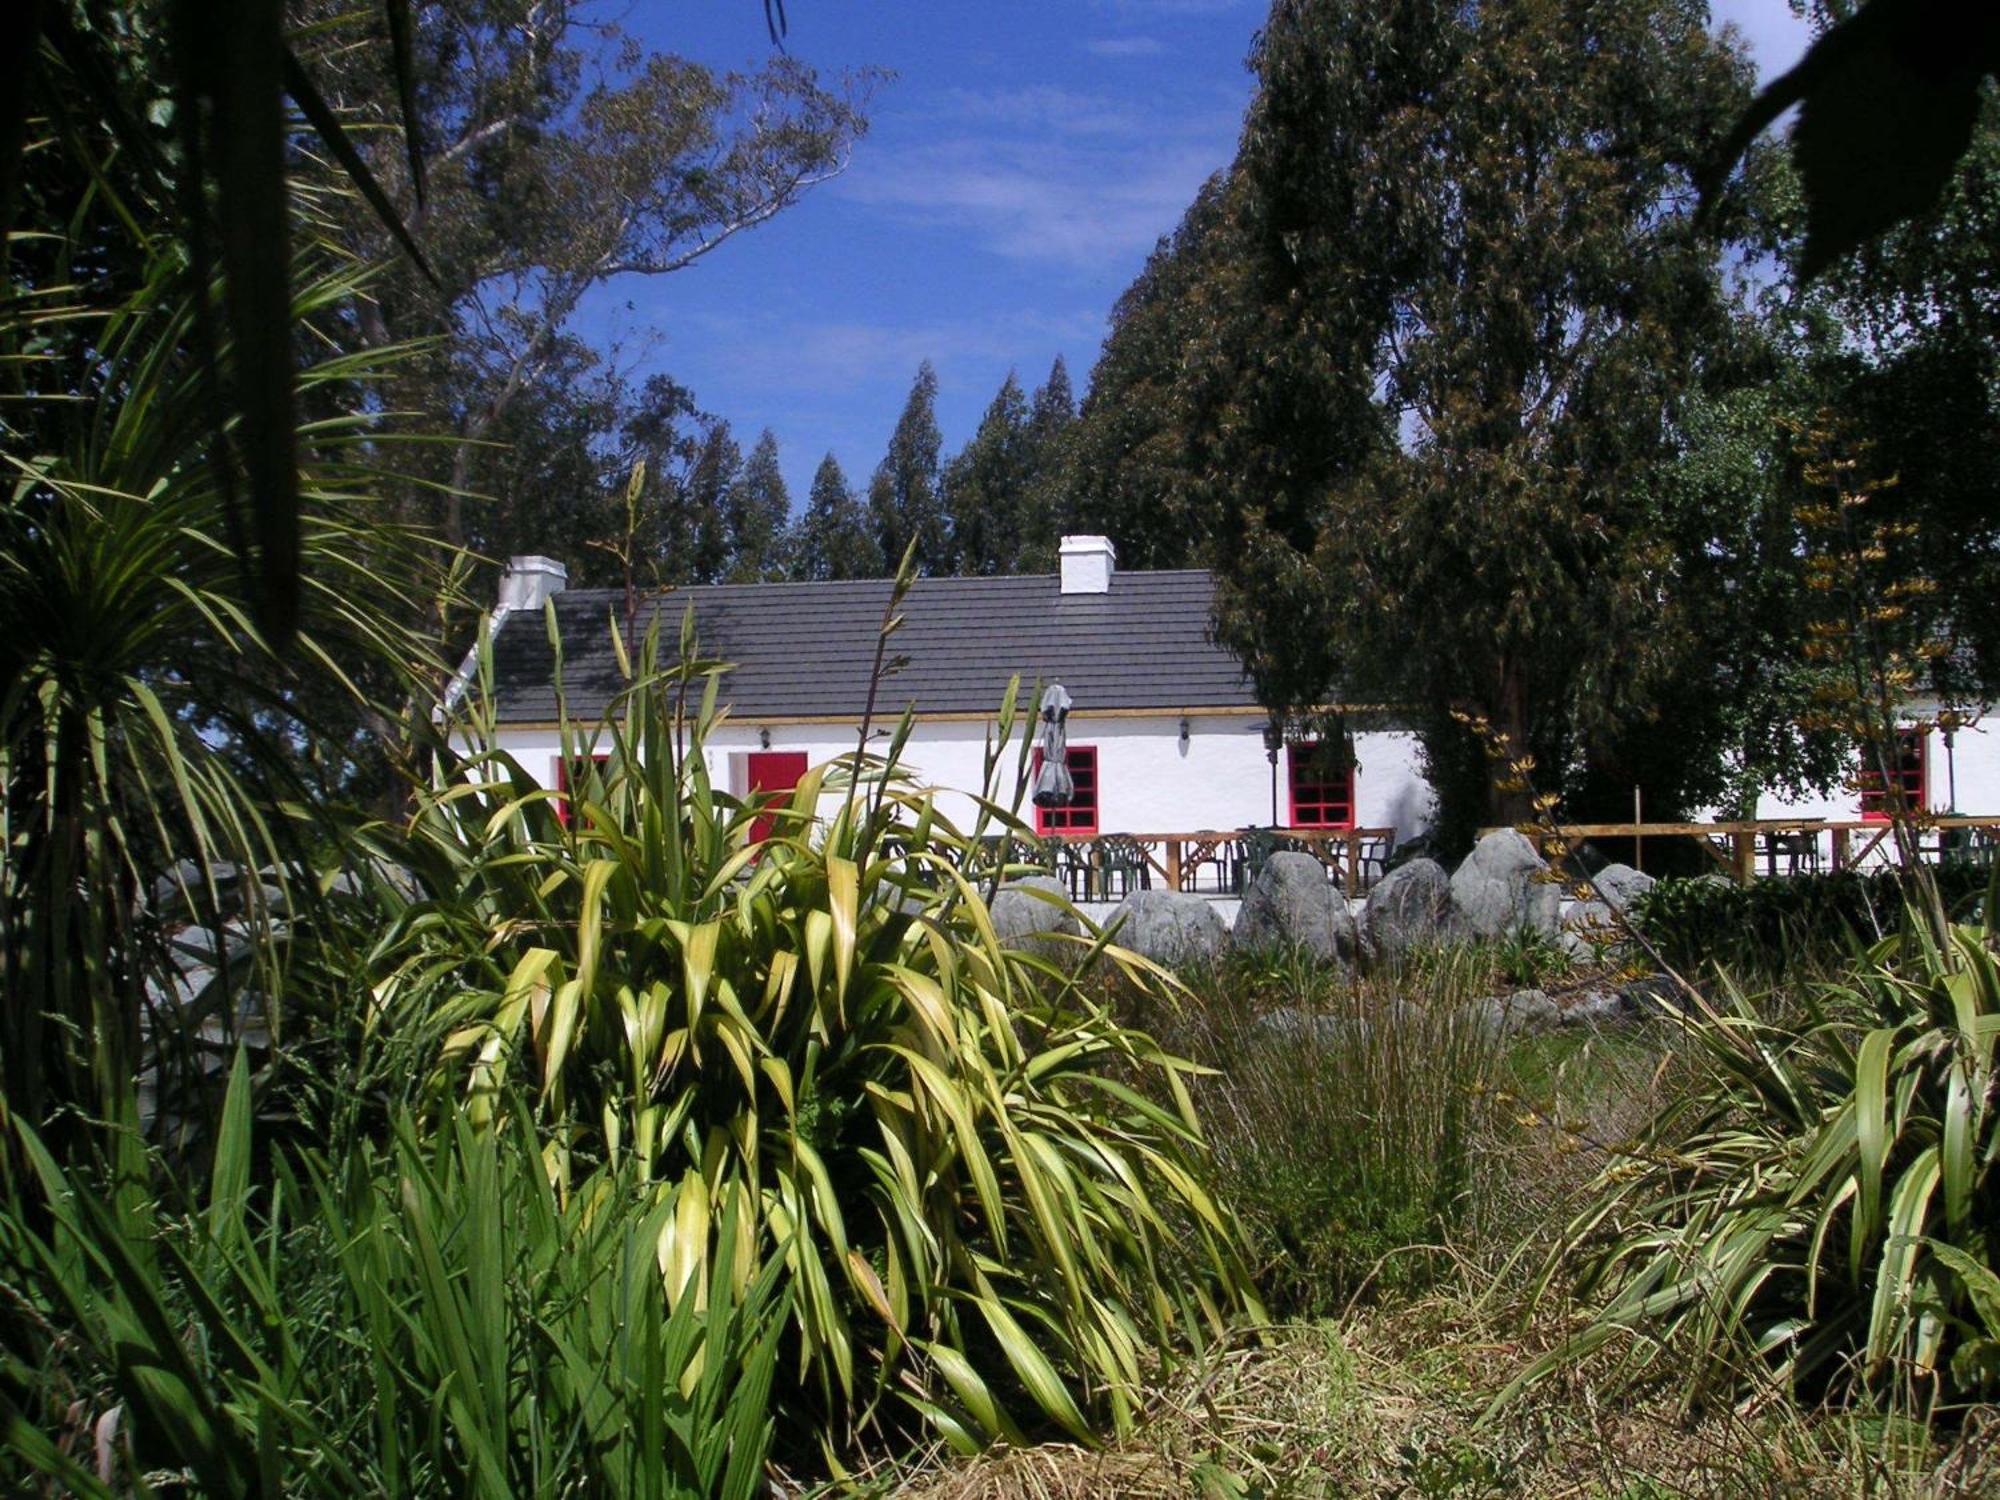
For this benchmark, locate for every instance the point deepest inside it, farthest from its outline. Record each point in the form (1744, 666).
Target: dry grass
(1388, 1403)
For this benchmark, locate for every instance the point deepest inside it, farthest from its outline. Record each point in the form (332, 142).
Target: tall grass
(1355, 1120)
(422, 1319)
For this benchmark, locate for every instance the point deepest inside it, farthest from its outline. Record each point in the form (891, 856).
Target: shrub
(1807, 1213)
(425, 1320)
(1768, 926)
(1350, 1118)
(821, 1035)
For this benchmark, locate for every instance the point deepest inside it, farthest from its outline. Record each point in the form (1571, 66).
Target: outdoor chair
(1799, 850)
(1122, 866)
(1068, 863)
(1210, 851)
(1374, 858)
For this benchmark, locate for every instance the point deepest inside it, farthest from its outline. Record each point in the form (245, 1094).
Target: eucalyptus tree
(1473, 300)
(560, 157)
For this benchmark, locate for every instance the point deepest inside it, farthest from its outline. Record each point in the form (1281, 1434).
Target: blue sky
(1017, 172)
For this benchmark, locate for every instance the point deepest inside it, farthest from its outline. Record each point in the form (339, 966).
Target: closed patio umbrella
(1053, 787)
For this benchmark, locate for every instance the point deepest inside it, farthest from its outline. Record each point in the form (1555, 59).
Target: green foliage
(1772, 926)
(1783, 1221)
(986, 487)
(759, 510)
(819, 1037)
(153, 743)
(904, 504)
(833, 539)
(1132, 466)
(423, 1320)
(1349, 1120)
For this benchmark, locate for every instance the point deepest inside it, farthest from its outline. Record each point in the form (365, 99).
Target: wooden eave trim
(853, 721)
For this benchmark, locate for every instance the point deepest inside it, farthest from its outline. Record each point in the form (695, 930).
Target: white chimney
(530, 581)
(1087, 562)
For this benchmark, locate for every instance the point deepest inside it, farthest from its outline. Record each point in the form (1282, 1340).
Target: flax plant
(1810, 1215)
(422, 1318)
(818, 1038)
(155, 750)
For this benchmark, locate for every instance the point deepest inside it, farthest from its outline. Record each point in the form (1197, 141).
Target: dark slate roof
(804, 649)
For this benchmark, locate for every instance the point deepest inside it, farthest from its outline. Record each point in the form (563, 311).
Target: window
(1322, 786)
(1906, 775)
(565, 776)
(1081, 814)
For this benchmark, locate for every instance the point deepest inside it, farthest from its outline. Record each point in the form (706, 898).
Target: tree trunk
(1507, 803)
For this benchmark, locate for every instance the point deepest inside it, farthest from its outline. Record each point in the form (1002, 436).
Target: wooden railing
(1108, 865)
(1795, 843)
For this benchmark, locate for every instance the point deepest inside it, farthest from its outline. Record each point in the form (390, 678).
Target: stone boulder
(1410, 906)
(1024, 919)
(1292, 904)
(1502, 888)
(1621, 885)
(1523, 1013)
(1169, 927)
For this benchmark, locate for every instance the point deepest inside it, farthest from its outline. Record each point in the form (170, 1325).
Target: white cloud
(1125, 46)
(1078, 210)
(1042, 107)
(775, 352)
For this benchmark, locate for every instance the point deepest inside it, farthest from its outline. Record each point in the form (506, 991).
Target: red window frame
(1911, 772)
(562, 783)
(1081, 814)
(1318, 801)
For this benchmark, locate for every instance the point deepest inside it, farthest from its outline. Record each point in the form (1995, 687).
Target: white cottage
(1165, 736)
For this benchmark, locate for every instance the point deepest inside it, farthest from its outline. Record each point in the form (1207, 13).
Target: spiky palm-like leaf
(1783, 1221)
(957, 1151)
(153, 746)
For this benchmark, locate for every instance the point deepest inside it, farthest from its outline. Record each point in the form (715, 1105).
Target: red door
(773, 773)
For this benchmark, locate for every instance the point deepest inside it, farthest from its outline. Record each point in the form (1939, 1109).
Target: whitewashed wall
(1973, 762)
(1148, 781)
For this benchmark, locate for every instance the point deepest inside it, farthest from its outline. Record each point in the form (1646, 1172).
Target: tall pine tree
(903, 499)
(986, 485)
(759, 511)
(1051, 421)
(1136, 463)
(833, 539)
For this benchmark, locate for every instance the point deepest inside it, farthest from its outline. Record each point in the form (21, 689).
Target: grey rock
(1652, 995)
(1169, 927)
(1598, 1008)
(1305, 1028)
(1621, 885)
(1502, 888)
(1523, 1013)
(1294, 1027)
(1022, 918)
(1411, 906)
(1292, 904)
(1587, 926)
